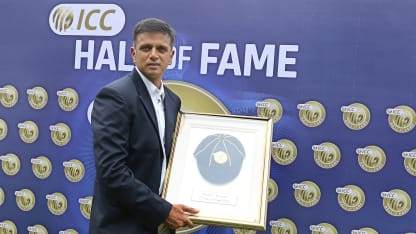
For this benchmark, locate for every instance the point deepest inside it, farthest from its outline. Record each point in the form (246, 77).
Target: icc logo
(243, 231)
(57, 203)
(68, 231)
(323, 228)
(401, 119)
(311, 113)
(10, 164)
(41, 167)
(8, 96)
(284, 151)
(410, 162)
(74, 170)
(68, 99)
(8, 227)
(87, 19)
(396, 202)
(25, 199)
(39, 229)
(371, 158)
(350, 197)
(28, 131)
(3, 129)
(283, 225)
(1, 196)
(307, 193)
(37, 97)
(355, 116)
(60, 134)
(327, 155)
(270, 108)
(272, 190)
(85, 206)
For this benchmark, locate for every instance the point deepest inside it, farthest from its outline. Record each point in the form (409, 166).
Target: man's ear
(133, 53)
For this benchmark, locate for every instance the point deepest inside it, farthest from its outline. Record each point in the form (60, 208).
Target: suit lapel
(170, 118)
(145, 98)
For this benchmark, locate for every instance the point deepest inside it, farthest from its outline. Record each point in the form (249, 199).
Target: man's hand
(178, 216)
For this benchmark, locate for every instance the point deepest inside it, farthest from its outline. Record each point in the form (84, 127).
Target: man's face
(152, 54)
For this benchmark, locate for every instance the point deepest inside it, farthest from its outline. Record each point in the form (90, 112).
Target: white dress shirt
(157, 96)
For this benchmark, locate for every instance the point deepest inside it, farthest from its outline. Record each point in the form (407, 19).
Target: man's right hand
(178, 216)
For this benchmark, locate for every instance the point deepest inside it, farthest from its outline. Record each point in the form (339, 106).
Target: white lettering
(251, 55)
(205, 58)
(230, 53)
(284, 60)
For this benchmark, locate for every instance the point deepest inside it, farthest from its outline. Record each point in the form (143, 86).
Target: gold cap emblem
(371, 158)
(410, 161)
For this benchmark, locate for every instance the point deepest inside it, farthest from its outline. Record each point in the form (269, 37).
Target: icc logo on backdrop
(87, 19)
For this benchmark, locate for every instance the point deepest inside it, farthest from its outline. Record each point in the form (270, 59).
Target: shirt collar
(151, 88)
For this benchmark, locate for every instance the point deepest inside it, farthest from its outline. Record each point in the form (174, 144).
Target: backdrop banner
(336, 77)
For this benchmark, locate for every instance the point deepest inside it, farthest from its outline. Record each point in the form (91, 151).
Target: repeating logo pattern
(7, 226)
(402, 119)
(272, 190)
(396, 202)
(60, 134)
(283, 226)
(85, 206)
(28, 131)
(1, 196)
(410, 161)
(371, 158)
(312, 113)
(37, 97)
(270, 108)
(37, 229)
(3, 129)
(10, 164)
(326, 155)
(323, 228)
(356, 116)
(68, 99)
(25, 199)
(284, 151)
(41, 167)
(8, 96)
(57, 203)
(68, 231)
(351, 197)
(307, 193)
(74, 170)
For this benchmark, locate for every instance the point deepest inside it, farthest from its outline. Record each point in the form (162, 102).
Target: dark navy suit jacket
(128, 158)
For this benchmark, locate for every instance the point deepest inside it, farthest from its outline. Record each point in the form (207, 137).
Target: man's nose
(153, 53)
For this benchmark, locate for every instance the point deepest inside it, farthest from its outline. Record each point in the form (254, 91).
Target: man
(133, 120)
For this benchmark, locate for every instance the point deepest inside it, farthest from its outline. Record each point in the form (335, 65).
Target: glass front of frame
(220, 165)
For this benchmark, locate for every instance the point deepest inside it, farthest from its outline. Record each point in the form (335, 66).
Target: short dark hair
(154, 25)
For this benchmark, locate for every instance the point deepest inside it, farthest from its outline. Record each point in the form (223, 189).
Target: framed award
(220, 164)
